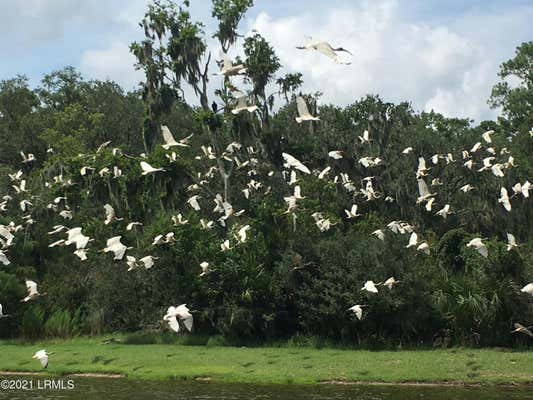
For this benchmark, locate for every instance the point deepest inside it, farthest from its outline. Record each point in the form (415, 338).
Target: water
(122, 389)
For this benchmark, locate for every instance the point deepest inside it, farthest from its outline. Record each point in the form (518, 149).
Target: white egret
(33, 293)
(169, 140)
(511, 242)
(148, 169)
(390, 282)
(205, 268)
(478, 245)
(528, 289)
(75, 236)
(370, 286)
(379, 234)
(110, 214)
(303, 111)
(115, 246)
(486, 136)
(352, 213)
(193, 202)
(42, 356)
(357, 310)
(176, 314)
(504, 199)
(326, 49)
(2, 315)
(293, 162)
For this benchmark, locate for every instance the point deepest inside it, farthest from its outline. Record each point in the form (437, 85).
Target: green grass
(272, 364)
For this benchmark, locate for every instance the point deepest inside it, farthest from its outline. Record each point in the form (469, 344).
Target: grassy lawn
(272, 365)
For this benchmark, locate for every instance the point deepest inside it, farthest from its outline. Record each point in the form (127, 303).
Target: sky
(440, 55)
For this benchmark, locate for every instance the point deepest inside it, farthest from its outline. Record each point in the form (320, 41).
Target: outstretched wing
(302, 107)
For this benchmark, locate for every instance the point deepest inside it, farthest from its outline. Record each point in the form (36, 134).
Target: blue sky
(441, 55)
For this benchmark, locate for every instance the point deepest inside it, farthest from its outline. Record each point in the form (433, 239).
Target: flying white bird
(205, 268)
(193, 202)
(228, 69)
(370, 286)
(148, 169)
(352, 213)
(75, 236)
(33, 293)
(390, 282)
(303, 111)
(169, 140)
(178, 314)
(486, 136)
(528, 289)
(2, 315)
(110, 214)
(504, 199)
(242, 233)
(511, 242)
(326, 49)
(478, 245)
(293, 162)
(115, 246)
(379, 234)
(242, 105)
(357, 310)
(365, 138)
(131, 225)
(335, 154)
(424, 248)
(42, 356)
(444, 211)
(413, 240)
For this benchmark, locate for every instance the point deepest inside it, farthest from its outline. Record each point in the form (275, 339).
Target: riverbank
(273, 364)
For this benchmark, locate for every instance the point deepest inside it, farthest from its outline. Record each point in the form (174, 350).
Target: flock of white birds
(239, 234)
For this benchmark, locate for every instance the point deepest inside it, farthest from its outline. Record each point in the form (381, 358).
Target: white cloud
(114, 62)
(447, 68)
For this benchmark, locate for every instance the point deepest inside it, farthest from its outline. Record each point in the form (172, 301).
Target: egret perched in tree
(178, 314)
(31, 287)
(357, 310)
(407, 150)
(335, 154)
(303, 111)
(242, 233)
(477, 244)
(42, 356)
(326, 49)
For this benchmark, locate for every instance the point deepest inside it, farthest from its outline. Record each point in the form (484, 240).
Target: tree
(514, 92)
